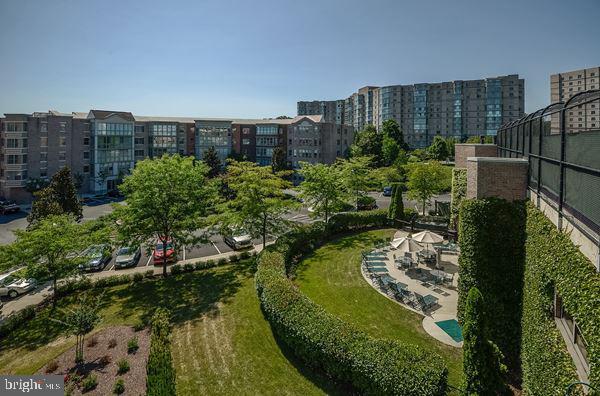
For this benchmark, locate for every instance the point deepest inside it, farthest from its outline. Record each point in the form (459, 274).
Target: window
(139, 153)
(62, 141)
(44, 157)
(63, 126)
(44, 141)
(86, 169)
(86, 141)
(62, 156)
(43, 172)
(139, 140)
(246, 131)
(86, 155)
(245, 141)
(12, 143)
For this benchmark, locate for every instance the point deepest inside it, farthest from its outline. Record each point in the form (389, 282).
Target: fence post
(561, 192)
(539, 175)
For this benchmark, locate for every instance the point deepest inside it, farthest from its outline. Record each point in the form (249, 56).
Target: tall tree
(211, 158)
(52, 248)
(450, 143)
(278, 160)
(424, 181)
(368, 143)
(80, 321)
(35, 184)
(259, 203)
(438, 150)
(60, 193)
(167, 200)
(389, 151)
(322, 187)
(392, 129)
(356, 176)
(396, 209)
(482, 366)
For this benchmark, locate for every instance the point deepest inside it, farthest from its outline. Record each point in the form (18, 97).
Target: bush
(51, 367)
(105, 360)
(176, 269)
(89, 383)
(119, 387)
(15, 320)
(222, 261)
(138, 277)
(139, 325)
(122, 366)
(346, 354)
(149, 274)
(160, 380)
(396, 209)
(132, 345)
(112, 343)
(244, 255)
(459, 192)
(188, 267)
(234, 258)
(210, 263)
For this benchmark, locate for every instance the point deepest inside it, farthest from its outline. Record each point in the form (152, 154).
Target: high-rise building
(563, 86)
(456, 108)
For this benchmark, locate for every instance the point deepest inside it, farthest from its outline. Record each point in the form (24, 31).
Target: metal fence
(562, 144)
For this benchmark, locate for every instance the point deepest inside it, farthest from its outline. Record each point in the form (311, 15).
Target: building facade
(563, 86)
(450, 109)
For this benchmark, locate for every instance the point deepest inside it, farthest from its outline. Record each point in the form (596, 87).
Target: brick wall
(497, 177)
(466, 150)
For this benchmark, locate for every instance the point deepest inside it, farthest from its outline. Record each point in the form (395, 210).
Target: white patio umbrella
(428, 237)
(406, 245)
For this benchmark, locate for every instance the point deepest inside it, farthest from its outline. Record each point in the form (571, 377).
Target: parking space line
(184, 252)
(149, 259)
(215, 246)
(111, 267)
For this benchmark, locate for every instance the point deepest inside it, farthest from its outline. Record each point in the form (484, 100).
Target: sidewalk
(38, 295)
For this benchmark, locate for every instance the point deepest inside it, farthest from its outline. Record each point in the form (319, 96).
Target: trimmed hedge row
(553, 262)
(86, 283)
(160, 380)
(492, 254)
(346, 354)
(203, 265)
(459, 191)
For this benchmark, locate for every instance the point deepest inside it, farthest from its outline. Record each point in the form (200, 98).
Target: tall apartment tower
(563, 86)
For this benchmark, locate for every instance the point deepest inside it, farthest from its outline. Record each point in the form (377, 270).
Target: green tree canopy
(477, 139)
(424, 181)
(322, 188)
(168, 199)
(356, 176)
(439, 149)
(211, 159)
(392, 129)
(278, 160)
(367, 143)
(396, 209)
(60, 196)
(482, 364)
(259, 203)
(389, 151)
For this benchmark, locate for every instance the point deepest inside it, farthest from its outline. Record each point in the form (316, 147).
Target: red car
(157, 255)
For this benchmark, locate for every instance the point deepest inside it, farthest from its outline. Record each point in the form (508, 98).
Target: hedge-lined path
(331, 277)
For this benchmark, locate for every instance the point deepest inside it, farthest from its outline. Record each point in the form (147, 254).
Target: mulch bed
(95, 361)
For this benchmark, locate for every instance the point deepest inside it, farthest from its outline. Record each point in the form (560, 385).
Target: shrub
(149, 274)
(132, 345)
(346, 354)
(89, 383)
(210, 263)
(160, 378)
(52, 366)
(15, 320)
(222, 261)
(188, 267)
(244, 255)
(139, 325)
(119, 386)
(104, 360)
(234, 258)
(396, 209)
(459, 191)
(138, 277)
(112, 343)
(92, 341)
(176, 269)
(122, 366)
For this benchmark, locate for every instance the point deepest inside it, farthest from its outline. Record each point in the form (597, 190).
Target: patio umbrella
(406, 245)
(428, 237)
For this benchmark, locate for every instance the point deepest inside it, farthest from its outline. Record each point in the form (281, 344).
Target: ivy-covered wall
(554, 263)
(459, 191)
(492, 243)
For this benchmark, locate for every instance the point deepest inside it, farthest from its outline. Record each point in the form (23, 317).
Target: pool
(452, 328)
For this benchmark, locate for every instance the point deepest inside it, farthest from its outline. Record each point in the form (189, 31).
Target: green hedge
(554, 262)
(459, 191)
(321, 340)
(492, 253)
(159, 368)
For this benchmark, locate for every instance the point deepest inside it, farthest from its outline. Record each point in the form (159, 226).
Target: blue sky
(257, 58)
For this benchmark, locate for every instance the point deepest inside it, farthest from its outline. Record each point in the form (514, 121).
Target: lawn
(221, 342)
(331, 277)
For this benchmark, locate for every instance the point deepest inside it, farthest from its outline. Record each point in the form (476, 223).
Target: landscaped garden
(331, 277)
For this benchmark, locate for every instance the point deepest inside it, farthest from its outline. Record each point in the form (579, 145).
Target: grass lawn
(221, 342)
(331, 277)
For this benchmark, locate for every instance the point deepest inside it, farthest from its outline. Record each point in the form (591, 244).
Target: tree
(392, 129)
(60, 196)
(439, 149)
(396, 209)
(80, 321)
(389, 151)
(278, 160)
(259, 203)
(424, 181)
(482, 366)
(356, 176)
(211, 158)
(477, 139)
(322, 187)
(52, 248)
(168, 199)
(35, 184)
(367, 143)
(283, 117)
(450, 143)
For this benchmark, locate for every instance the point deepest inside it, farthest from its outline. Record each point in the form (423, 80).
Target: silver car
(238, 241)
(13, 286)
(127, 257)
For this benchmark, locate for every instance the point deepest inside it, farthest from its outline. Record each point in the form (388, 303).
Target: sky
(257, 58)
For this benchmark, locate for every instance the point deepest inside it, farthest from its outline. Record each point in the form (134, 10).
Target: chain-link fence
(562, 144)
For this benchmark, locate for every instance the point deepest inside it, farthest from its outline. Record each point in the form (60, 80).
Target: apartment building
(456, 108)
(333, 111)
(563, 86)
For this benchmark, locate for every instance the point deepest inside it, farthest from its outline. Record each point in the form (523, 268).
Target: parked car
(157, 255)
(8, 207)
(127, 257)
(97, 257)
(13, 286)
(239, 241)
(387, 191)
(367, 203)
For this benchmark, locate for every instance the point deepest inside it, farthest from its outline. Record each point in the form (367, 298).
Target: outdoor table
(429, 300)
(438, 274)
(426, 254)
(405, 262)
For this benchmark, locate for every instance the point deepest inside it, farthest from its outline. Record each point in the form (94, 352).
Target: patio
(419, 277)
